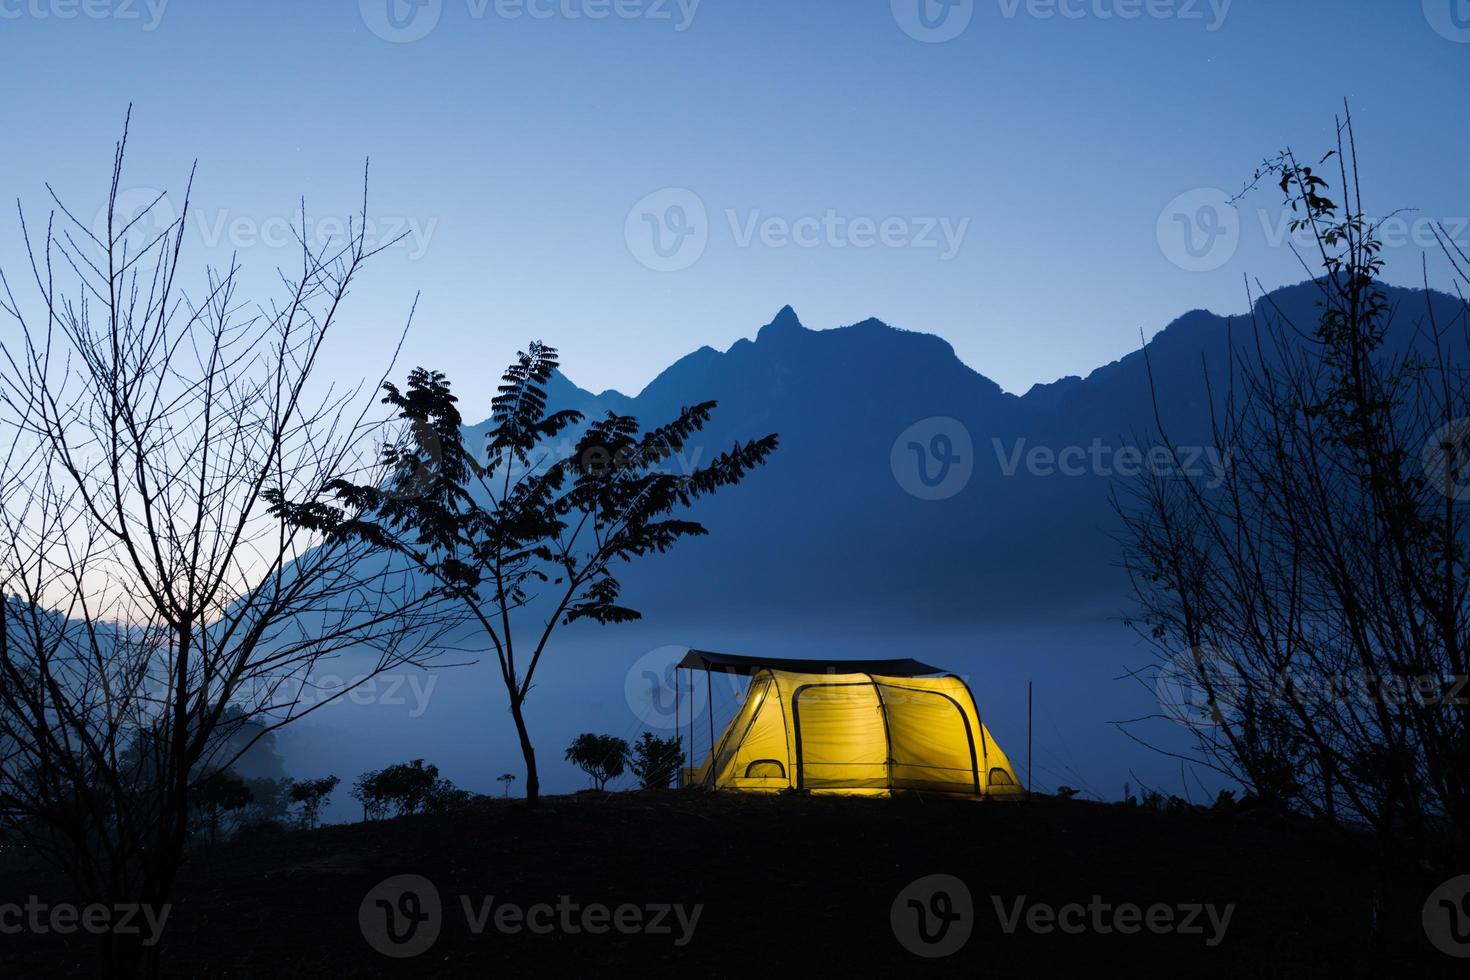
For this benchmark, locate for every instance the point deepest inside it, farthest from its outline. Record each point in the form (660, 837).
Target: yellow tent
(853, 728)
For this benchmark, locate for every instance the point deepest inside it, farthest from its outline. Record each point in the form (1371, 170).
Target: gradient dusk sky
(1036, 181)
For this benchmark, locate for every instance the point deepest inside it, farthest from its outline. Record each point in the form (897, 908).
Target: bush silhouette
(602, 757)
(406, 788)
(656, 761)
(311, 795)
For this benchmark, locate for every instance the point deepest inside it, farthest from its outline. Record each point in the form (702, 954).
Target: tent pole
(679, 782)
(691, 717)
(709, 705)
(1029, 686)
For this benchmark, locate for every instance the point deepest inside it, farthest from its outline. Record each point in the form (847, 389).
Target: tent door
(840, 735)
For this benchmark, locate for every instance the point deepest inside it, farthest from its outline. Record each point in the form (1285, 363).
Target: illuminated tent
(854, 728)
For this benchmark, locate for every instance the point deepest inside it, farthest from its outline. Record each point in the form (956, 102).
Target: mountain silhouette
(830, 531)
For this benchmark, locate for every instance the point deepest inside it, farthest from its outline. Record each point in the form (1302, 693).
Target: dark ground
(784, 883)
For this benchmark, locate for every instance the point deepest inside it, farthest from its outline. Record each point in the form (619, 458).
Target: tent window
(999, 777)
(765, 769)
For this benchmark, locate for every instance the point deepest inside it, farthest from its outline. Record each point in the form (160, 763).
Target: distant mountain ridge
(838, 530)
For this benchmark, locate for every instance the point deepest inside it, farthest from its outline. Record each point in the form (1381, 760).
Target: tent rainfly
(852, 728)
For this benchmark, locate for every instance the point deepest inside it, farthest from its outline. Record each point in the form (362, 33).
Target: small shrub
(406, 788)
(656, 761)
(445, 796)
(271, 800)
(602, 757)
(218, 801)
(311, 795)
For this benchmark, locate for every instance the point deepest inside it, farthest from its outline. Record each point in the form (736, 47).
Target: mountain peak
(785, 322)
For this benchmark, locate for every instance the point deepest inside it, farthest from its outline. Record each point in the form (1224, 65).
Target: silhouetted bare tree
(153, 606)
(1320, 590)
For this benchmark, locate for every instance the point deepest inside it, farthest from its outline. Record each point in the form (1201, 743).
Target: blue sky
(1022, 189)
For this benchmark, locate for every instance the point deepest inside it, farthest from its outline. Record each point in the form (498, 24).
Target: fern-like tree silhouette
(496, 528)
